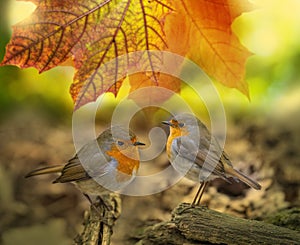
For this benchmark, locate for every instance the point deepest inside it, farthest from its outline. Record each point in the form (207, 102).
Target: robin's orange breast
(126, 164)
(175, 132)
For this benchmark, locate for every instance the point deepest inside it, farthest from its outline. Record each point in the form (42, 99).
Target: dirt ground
(34, 211)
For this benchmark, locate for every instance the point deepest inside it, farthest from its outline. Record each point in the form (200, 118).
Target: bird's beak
(138, 143)
(167, 123)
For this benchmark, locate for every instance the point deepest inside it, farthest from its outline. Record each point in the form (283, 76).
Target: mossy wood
(200, 225)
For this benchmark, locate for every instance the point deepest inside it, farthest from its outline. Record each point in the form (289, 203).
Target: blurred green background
(20, 89)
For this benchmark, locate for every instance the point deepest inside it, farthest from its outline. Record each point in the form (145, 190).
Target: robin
(193, 151)
(103, 165)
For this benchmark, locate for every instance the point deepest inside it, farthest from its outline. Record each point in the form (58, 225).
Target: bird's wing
(208, 161)
(95, 164)
(72, 171)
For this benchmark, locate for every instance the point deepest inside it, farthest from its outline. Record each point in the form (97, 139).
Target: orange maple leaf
(94, 33)
(204, 30)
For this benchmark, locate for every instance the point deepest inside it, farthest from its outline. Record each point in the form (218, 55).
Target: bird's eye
(120, 143)
(181, 124)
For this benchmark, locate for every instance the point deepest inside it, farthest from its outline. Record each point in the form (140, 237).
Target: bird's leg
(199, 194)
(107, 206)
(105, 216)
(93, 204)
(88, 198)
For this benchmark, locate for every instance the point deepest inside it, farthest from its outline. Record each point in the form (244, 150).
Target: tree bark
(99, 221)
(200, 225)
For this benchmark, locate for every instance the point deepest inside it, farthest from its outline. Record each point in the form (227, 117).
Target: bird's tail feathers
(45, 170)
(247, 180)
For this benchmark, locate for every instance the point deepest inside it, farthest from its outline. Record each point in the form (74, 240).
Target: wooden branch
(161, 233)
(99, 221)
(200, 225)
